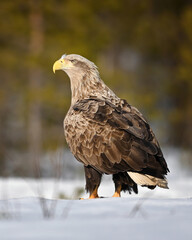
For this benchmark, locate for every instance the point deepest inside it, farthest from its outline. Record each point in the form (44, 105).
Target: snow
(31, 209)
(105, 218)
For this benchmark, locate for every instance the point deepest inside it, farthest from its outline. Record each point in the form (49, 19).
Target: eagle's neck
(89, 84)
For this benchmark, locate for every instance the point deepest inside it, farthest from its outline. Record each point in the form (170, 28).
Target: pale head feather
(78, 58)
(85, 79)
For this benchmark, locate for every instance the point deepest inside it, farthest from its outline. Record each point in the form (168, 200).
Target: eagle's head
(84, 77)
(74, 64)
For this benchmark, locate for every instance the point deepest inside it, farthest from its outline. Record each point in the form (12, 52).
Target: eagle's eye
(73, 60)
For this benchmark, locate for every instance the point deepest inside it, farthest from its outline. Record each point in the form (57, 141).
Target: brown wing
(116, 139)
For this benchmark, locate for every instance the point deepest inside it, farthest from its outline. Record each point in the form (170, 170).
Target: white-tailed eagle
(107, 134)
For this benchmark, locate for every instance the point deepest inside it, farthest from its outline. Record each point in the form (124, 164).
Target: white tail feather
(147, 180)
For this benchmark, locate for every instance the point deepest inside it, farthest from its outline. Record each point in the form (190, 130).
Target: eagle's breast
(88, 140)
(74, 126)
(80, 133)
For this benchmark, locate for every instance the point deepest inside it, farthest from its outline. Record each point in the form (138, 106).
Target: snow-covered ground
(31, 209)
(105, 218)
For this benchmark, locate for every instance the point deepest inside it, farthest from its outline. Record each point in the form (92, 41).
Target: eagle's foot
(116, 194)
(93, 196)
(90, 197)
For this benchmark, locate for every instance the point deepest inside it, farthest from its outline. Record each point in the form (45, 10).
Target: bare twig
(48, 207)
(138, 207)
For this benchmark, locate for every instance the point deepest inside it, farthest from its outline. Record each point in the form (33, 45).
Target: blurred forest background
(144, 53)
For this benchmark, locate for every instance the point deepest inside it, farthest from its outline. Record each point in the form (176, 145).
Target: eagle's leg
(117, 181)
(123, 183)
(117, 192)
(93, 180)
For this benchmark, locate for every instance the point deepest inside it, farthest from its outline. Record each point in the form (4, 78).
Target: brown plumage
(107, 134)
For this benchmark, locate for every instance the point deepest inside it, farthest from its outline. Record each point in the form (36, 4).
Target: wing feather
(117, 138)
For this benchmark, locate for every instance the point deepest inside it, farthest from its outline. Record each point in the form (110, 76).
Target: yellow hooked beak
(59, 64)
(62, 64)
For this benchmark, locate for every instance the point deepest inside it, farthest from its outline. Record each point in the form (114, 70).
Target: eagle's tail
(148, 180)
